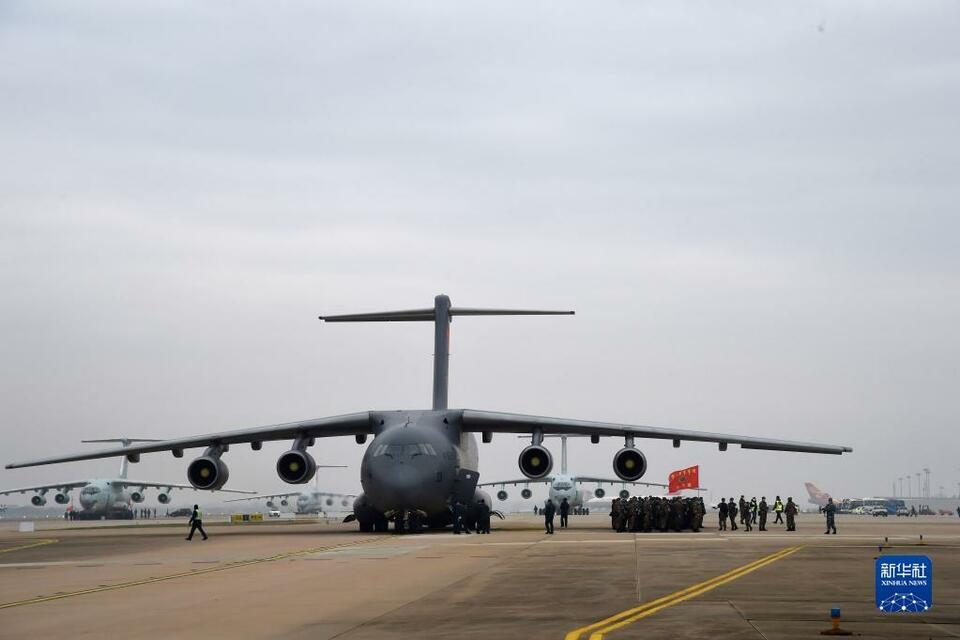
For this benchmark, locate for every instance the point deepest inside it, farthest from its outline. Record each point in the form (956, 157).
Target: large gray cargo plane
(421, 461)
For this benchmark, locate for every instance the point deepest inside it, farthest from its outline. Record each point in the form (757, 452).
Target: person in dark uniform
(762, 509)
(196, 523)
(791, 511)
(483, 517)
(722, 509)
(548, 510)
(460, 518)
(742, 505)
(831, 512)
(732, 510)
(747, 521)
(564, 512)
(778, 509)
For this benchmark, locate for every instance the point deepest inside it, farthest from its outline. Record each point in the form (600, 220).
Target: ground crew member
(753, 509)
(742, 505)
(564, 512)
(763, 508)
(831, 512)
(791, 511)
(722, 508)
(459, 521)
(732, 507)
(196, 523)
(778, 509)
(483, 517)
(748, 521)
(548, 510)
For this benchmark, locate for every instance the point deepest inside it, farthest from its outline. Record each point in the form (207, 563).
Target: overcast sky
(752, 207)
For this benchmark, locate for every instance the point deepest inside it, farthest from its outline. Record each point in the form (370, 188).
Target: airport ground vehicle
(876, 511)
(273, 514)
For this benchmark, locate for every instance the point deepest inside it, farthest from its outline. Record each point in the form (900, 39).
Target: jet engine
(502, 495)
(526, 493)
(329, 502)
(344, 502)
(296, 467)
(38, 500)
(208, 472)
(599, 492)
(284, 502)
(136, 496)
(624, 494)
(535, 462)
(629, 464)
(163, 497)
(62, 498)
(270, 504)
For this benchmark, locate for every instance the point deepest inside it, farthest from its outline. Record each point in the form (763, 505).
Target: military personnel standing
(778, 509)
(722, 509)
(564, 512)
(742, 504)
(548, 510)
(791, 511)
(696, 520)
(763, 508)
(831, 512)
(614, 513)
(748, 521)
(753, 509)
(732, 506)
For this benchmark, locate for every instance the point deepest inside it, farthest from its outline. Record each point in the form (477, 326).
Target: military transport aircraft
(422, 460)
(564, 485)
(105, 497)
(315, 501)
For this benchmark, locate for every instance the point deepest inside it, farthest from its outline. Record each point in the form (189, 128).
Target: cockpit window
(90, 491)
(404, 450)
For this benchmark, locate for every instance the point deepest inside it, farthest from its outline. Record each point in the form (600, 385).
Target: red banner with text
(688, 478)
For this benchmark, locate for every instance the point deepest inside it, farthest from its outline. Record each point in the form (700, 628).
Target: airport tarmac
(317, 580)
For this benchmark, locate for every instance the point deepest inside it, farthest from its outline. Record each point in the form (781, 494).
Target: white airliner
(110, 497)
(564, 485)
(315, 501)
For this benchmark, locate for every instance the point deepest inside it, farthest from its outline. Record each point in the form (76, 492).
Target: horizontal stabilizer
(429, 315)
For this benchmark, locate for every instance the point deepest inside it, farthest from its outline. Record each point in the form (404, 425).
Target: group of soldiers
(753, 512)
(657, 513)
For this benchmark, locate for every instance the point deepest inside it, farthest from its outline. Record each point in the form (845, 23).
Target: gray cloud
(753, 217)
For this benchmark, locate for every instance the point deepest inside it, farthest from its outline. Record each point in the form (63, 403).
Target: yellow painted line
(186, 574)
(616, 621)
(38, 543)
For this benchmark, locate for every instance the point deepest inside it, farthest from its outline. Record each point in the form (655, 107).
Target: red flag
(688, 478)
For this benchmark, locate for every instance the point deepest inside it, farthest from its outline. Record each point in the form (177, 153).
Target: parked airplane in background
(564, 485)
(817, 497)
(315, 501)
(420, 461)
(105, 497)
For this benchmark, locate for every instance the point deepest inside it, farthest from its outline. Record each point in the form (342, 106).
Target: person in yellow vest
(196, 523)
(778, 509)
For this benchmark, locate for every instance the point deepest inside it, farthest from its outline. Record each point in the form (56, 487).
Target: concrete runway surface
(314, 580)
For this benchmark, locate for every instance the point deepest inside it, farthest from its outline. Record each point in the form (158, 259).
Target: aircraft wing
(47, 487)
(494, 421)
(547, 479)
(346, 425)
(266, 496)
(171, 485)
(616, 481)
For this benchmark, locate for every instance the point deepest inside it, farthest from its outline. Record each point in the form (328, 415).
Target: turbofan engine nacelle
(208, 472)
(296, 467)
(599, 492)
(62, 498)
(136, 496)
(284, 502)
(502, 495)
(629, 464)
(270, 504)
(624, 494)
(38, 501)
(535, 462)
(526, 493)
(163, 498)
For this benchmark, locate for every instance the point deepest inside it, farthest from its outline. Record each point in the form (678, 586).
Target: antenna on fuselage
(441, 314)
(124, 442)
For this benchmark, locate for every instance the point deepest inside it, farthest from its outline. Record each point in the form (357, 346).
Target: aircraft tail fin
(441, 315)
(125, 442)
